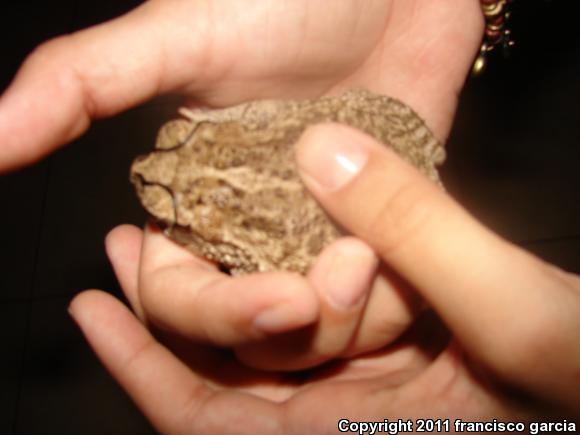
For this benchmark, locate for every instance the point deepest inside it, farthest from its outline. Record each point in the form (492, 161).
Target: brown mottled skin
(224, 182)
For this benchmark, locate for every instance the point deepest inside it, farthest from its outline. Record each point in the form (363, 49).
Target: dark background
(514, 162)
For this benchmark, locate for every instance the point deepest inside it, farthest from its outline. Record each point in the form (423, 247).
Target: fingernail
(349, 275)
(278, 318)
(330, 155)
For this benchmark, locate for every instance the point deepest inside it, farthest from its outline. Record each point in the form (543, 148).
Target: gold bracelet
(497, 14)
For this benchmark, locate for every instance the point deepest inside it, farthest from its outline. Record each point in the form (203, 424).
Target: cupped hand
(345, 306)
(511, 351)
(222, 52)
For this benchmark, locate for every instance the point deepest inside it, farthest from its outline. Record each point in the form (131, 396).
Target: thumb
(97, 72)
(491, 294)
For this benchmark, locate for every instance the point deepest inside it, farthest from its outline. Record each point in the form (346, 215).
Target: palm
(207, 391)
(415, 50)
(396, 367)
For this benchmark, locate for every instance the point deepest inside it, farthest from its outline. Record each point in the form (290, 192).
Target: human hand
(414, 50)
(222, 52)
(272, 321)
(512, 353)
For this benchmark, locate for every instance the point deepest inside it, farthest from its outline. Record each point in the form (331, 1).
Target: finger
(360, 311)
(172, 397)
(470, 276)
(343, 281)
(391, 309)
(96, 72)
(123, 245)
(188, 295)
(341, 277)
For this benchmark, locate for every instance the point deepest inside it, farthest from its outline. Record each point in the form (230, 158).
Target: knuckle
(59, 62)
(49, 52)
(405, 214)
(138, 355)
